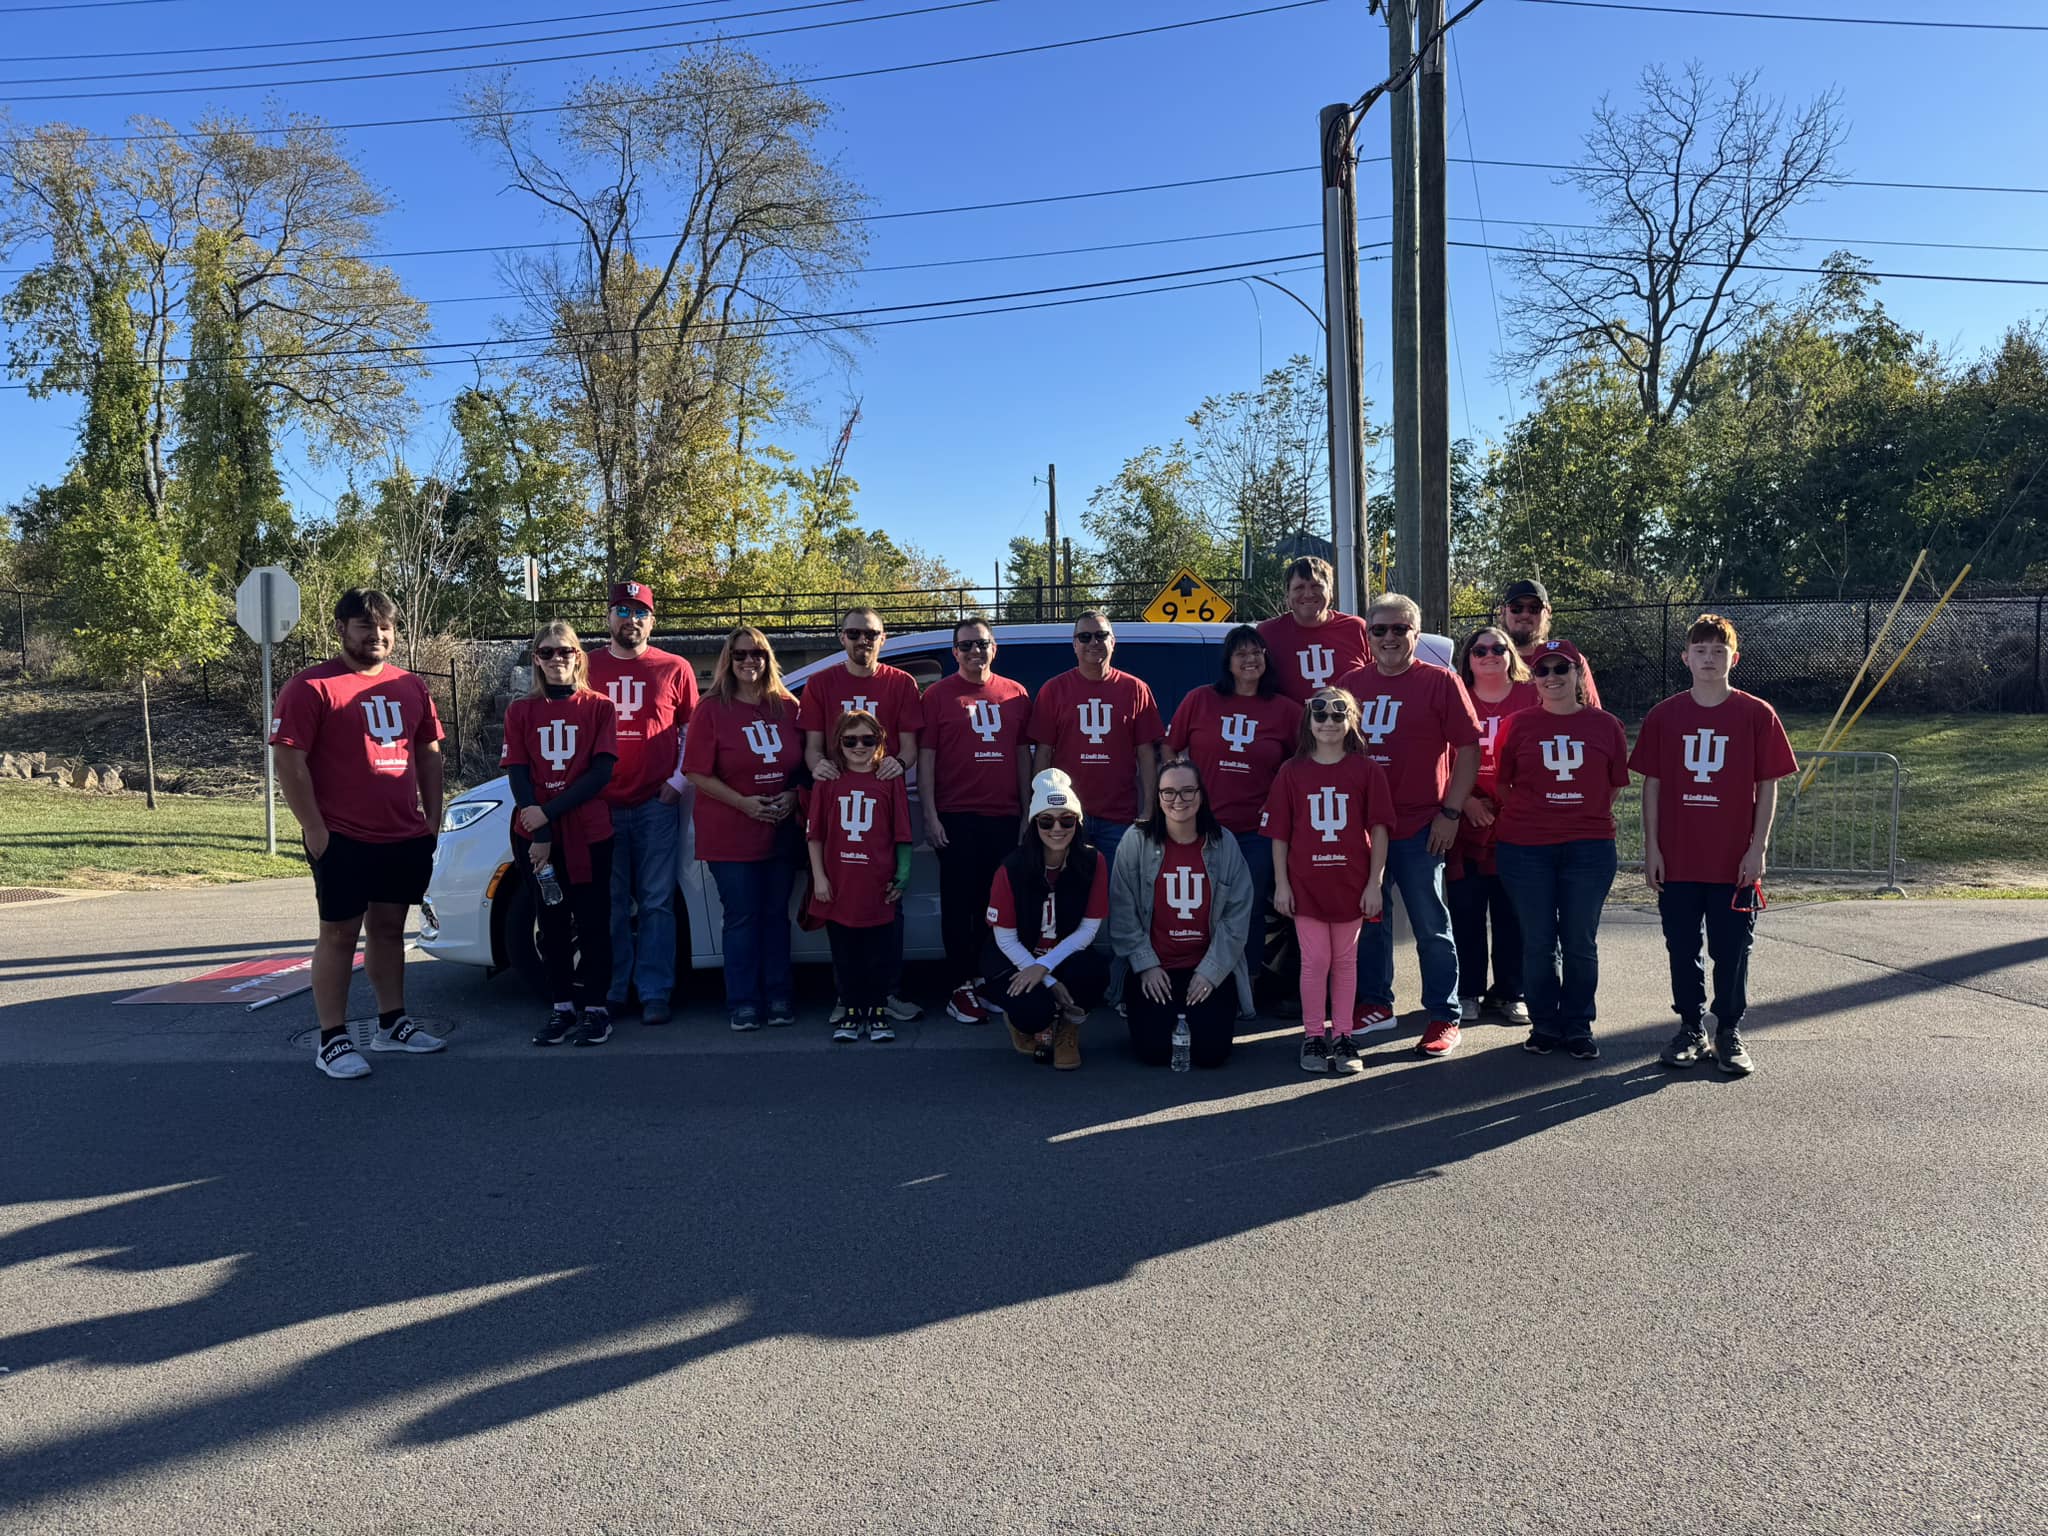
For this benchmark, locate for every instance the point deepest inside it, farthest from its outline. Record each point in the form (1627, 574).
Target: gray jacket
(1131, 884)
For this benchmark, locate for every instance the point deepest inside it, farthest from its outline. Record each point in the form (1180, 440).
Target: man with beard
(359, 761)
(1524, 613)
(1311, 645)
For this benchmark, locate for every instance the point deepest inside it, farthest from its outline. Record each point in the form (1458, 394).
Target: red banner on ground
(252, 983)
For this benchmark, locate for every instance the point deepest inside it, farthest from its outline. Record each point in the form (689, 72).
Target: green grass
(61, 837)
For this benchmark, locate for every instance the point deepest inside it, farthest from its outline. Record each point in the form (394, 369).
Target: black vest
(1026, 869)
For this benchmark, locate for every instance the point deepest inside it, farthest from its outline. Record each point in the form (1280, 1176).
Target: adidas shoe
(339, 1057)
(1372, 1018)
(404, 1035)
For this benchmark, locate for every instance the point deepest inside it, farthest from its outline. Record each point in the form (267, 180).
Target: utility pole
(1052, 527)
(1067, 566)
(1426, 569)
(1346, 353)
(1407, 339)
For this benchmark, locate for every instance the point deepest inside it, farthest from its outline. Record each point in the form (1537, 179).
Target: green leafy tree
(1150, 520)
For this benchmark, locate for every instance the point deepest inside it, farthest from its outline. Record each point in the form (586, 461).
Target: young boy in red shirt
(1711, 758)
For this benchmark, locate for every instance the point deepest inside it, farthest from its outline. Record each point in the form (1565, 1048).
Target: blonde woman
(742, 753)
(561, 744)
(1498, 681)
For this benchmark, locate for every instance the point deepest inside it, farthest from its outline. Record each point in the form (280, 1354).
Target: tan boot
(1025, 1045)
(1066, 1043)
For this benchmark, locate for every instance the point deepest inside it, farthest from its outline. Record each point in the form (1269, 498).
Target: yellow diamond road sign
(1187, 599)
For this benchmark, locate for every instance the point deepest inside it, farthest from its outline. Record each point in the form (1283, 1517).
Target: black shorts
(351, 874)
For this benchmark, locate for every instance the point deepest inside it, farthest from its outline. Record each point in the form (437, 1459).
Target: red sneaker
(966, 1007)
(1440, 1039)
(1371, 1018)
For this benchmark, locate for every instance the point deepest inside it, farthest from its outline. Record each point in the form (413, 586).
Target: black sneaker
(1315, 1054)
(1687, 1046)
(561, 1023)
(1539, 1044)
(1730, 1055)
(595, 1029)
(1583, 1048)
(1344, 1058)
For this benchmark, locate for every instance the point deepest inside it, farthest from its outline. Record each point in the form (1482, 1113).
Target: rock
(8, 770)
(77, 774)
(29, 764)
(113, 780)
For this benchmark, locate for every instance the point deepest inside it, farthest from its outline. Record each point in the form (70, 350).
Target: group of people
(1090, 852)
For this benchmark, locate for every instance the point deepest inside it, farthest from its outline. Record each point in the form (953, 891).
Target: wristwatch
(1445, 810)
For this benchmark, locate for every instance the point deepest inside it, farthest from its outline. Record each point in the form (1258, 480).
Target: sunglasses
(1180, 796)
(1488, 650)
(1329, 709)
(624, 612)
(974, 645)
(1065, 823)
(862, 634)
(1525, 607)
(1754, 894)
(852, 742)
(739, 656)
(553, 652)
(1562, 669)
(1092, 637)
(1381, 631)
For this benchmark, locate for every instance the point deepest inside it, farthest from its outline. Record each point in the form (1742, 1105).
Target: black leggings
(576, 932)
(975, 849)
(1211, 1022)
(863, 962)
(1084, 975)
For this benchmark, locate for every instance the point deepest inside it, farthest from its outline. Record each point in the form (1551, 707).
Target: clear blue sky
(959, 416)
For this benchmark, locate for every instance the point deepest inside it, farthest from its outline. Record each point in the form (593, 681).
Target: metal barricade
(1844, 822)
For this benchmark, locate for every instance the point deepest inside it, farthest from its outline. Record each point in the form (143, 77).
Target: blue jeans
(1105, 835)
(1418, 875)
(755, 896)
(645, 841)
(1257, 849)
(1558, 891)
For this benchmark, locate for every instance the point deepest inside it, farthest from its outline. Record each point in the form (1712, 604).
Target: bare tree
(1691, 188)
(703, 216)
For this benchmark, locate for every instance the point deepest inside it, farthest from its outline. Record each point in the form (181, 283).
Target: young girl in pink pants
(1329, 816)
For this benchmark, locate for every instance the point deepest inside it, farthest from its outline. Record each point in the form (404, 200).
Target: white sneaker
(880, 1030)
(340, 1058)
(902, 1012)
(1468, 1009)
(838, 1018)
(1516, 1012)
(404, 1035)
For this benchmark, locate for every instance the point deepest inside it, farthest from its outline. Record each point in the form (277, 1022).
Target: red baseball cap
(1562, 648)
(633, 592)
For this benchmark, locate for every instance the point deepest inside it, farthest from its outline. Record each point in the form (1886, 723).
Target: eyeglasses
(852, 742)
(1063, 823)
(1527, 606)
(553, 652)
(974, 645)
(1092, 637)
(625, 611)
(1488, 650)
(1329, 709)
(1562, 669)
(1180, 796)
(862, 634)
(739, 656)
(1381, 631)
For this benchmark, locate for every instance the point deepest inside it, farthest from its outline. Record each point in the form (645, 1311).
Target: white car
(477, 913)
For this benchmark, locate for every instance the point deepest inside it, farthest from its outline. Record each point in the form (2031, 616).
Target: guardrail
(1844, 823)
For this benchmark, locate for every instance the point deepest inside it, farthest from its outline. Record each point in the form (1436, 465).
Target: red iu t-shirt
(1708, 763)
(1094, 730)
(1305, 659)
(890, 696)
(359, 732)
(1413, 723)
(975, 733)
(654, 694)
(1181, 904)
(1557, 775)
(859, 820)
(1520, 696)
(555, 739)
(751, 748)
(1238, 744)
(1002, 906)
(1325, 813)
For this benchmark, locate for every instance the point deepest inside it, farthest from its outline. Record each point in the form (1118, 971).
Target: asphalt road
(700, 1282)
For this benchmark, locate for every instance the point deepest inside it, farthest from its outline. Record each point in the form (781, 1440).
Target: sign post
(267, 609)
(1187, 599)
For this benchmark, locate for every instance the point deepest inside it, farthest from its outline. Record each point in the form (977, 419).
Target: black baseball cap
(1521, 589)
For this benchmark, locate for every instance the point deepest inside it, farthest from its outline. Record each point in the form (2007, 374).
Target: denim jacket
(1131, 884)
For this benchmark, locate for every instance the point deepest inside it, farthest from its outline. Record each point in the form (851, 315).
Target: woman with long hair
(1180, 901)
(859, 840)
(1045, 906)
(561, 743)
(1497, 679)
(743, 753)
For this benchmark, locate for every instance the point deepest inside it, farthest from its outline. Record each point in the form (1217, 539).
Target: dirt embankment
(203, 747)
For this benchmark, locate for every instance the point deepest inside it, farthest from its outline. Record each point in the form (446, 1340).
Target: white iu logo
(1377, 715)
(386, 717)
(1329, 812)
(857, 814)
(558, 743)
(985, 719)
(1239, 731)
(862, 703)
(1489, 729)
(628, 694)
(1706, 753)
(1095, 719)
(1048, 917)
(1318, 664)
(1184, 891)
(1562, 756)
(765, 737)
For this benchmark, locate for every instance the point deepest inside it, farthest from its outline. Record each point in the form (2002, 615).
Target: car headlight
(465, 812)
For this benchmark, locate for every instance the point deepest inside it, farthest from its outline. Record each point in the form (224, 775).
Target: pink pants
(1329, 962)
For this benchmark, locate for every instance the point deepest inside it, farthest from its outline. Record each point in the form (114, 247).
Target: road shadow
(644, 1213)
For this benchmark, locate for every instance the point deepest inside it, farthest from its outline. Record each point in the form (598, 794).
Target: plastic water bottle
(1181, 1043)
(550, 887)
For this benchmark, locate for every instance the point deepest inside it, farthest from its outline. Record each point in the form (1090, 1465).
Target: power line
(1595, 258)
(1845, 21)
(831, 79)
(1842, 181)
(81, 5)
(456, 69)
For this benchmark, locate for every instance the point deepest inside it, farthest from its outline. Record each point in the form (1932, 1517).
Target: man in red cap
(654, 693)
(1524, 613)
